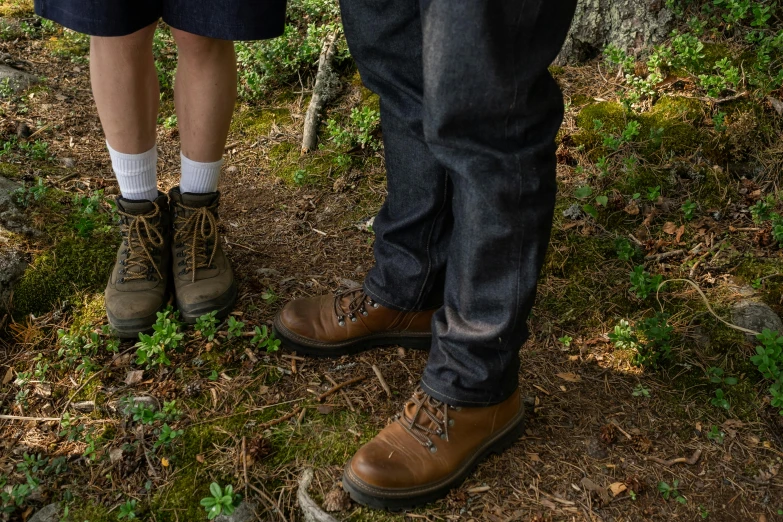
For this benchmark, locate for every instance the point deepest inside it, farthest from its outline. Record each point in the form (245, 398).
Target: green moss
(88, 510)
(68, 45)
(16, 8)
(676, 120)
(556, 70)
(9, 171)
(321, 440)
(74, 265)
(254, 122)
(317, 166)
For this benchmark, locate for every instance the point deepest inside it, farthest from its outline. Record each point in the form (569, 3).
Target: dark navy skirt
(223, 19)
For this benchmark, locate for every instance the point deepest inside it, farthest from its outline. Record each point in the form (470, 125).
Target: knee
(189, 44)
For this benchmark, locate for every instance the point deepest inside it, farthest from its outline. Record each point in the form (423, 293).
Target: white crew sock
(136, 173)
(199, 178)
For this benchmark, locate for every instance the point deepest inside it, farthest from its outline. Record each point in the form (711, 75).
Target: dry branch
(322, 91)
(312, 511)
(339, 387)
(681, 460)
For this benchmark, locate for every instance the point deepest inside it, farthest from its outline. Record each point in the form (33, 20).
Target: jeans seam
(429, 241)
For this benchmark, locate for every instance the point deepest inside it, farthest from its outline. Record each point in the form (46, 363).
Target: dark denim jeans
(469, 114)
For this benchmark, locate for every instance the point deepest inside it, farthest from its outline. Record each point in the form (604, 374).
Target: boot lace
(142, 239)
(425, 409)
(350, 303)
(196, 228)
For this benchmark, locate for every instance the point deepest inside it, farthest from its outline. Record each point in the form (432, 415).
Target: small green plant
(235, 328)
(566, 340)
(36, 192)
(688, 209)
(720, 401)
(206, 325)
(716, 435)
(167, 436)
(719, 122)
(623, 336)
(718, 376)
(703, 513)
(127, 510)
(642, 283)
(625, 250)
(300, 177)
(263, 338)
(671, 491)
(769, 356)
(657, 335)
(269, 296)
(152, 349)
(757, 283)
(641, 391)
(653, 193)
(222, 501)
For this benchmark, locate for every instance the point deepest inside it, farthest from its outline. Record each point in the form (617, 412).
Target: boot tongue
(190, 199)
(135, 206)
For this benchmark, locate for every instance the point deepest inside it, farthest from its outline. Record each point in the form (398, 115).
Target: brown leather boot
(429, 449)
(203, 279)
(137, 287)
(349, 322)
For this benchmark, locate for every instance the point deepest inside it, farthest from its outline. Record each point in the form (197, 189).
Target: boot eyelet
(433, 448)
(341, 321)
(375, 305)
(181, 263)
(353, 318)
(443, 436)
(364, 312)
(451, 422)
(181, 272)
(121, 280)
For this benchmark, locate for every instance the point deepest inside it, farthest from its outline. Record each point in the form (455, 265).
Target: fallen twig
(322, 91)
(382, 380)
(34, 419)
(274, 504)
(275, 422)
(664, 255)
(342, 392)
(312, 511)
(680, 460)
(338, 387)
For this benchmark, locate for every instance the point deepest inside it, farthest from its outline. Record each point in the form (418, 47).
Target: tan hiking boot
(203, 279)
(429, 449)
(349, 322)
(137, 288)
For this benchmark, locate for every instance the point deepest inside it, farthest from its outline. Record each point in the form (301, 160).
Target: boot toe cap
(300, 317)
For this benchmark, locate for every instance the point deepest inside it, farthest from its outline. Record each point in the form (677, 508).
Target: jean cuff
(454, 397)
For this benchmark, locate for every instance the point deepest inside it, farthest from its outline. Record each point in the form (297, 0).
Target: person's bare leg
(205, 90)
(125, 87)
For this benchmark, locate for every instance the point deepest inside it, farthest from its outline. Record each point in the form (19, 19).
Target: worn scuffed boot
(349, 322)
(203, 279)
(428, 449)
(138, 285)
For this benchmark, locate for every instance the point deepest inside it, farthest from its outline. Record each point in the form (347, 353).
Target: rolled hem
(74, 22)
(381, 298)
(454, 397)
(228, 32)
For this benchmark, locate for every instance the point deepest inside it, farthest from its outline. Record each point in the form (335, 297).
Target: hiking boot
(429, 449)
(203, 279)
(349, 322)
(137, 288)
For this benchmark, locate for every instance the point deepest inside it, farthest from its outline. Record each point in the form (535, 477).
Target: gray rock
(756, 316)
(68, 163)
(50, 513)
(17, 80)
(596, 450)
(631, 25)
(573, 212)
(245, 512)
(11, 216)
(12, 266)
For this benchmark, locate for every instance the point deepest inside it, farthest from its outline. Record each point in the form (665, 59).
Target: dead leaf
(616, 488)
(115, 455)
(134, 377)
(9, 375)
(548, 504)
(325, 409)
(263, 389)
(200, 458)
(570, 377)
(595, 488)
(534, 457)
(776, 104)
(670, 228)
(680, 232)
(731, 426)
(164, 462)
(632, 209)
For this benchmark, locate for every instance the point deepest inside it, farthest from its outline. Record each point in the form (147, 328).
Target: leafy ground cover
(669, 169)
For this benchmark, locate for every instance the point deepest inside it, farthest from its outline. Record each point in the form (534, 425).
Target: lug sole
(291, 342)
(405, 500)
(130, 329)
(223, 304)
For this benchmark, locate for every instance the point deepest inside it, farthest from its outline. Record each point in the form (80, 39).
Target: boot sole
(223, 304)
(396, 500)
(130, 329)
(294, 343)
